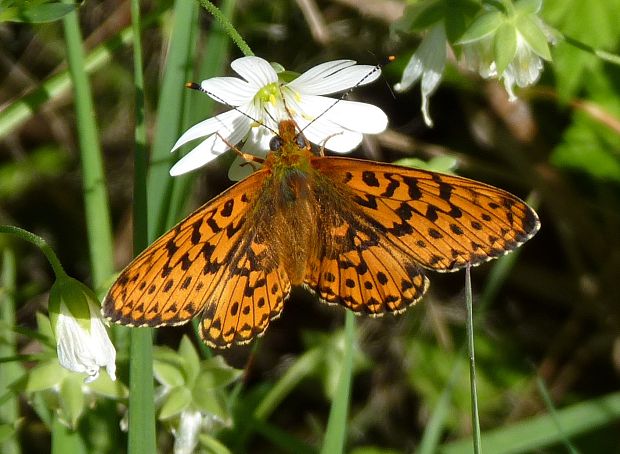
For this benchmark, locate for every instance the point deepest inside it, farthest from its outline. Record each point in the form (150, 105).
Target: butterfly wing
(364, 274)
(390, 221)
(445, 222)
(211, 262)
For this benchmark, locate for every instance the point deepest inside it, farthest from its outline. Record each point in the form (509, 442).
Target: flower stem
(142, 437)
(603, 55)
(12, 367)
(227, 26)
(335, 434)
(95, 193)
(475, 419)
(39, 242)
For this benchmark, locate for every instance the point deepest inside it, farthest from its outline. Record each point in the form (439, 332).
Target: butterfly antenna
(348, 92)
(198, 87)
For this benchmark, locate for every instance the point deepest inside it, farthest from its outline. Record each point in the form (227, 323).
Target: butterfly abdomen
(294, 186)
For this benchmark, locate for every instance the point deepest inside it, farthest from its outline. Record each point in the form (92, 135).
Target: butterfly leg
(250, 159)
(322, 147)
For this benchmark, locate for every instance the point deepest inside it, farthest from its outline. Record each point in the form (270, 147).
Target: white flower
(524, 69)
(509, 45)
(428, 62)
(191, 423)
(82, 343)
(186, 436)
(261, 100)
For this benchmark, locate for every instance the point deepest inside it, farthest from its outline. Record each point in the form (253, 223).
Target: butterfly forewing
(444, 222)
(208, 262)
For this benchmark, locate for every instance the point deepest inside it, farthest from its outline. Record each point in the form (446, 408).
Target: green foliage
(34, 11)
(42, 164)
(498, 377)
(556, 309)
(593, 23)
(589, 145)
(189, 384)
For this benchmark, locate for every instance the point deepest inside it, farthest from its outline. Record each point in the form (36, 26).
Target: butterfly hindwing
(248, 294)
(355, 264)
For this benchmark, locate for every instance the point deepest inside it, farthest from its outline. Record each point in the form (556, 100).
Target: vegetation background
(548, 317)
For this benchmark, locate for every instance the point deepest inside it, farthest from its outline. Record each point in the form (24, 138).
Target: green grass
(84, 93)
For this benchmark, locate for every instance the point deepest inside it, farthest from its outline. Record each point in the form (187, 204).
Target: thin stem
(335, 435)
(95, 193)
(38, 242)
(542, 388)
(475, 419)
(12, 369)
(304, 365)
(140, 225)
(228, 27)
(603, 55)
(141, 434)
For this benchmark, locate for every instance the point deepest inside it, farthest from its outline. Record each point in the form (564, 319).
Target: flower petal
(223, 123)
(255, 70)
(206, 152)
(325, 133)
(334, 76)
(82, 351)
(352, 115)
(186, 436)
(229, 90)
(430, 57)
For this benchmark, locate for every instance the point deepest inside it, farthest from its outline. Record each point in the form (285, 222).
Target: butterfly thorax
(289, 191)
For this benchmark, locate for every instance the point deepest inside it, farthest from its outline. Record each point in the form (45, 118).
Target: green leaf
(168, 374)
(584, 149)
(212, 445)
(7, 431)
(593, 23)
(587, 145)
(372, 450)
(191, 360)
(531, 32)
(458, 15)
(72, 400)
(19, 175)
(104, 386)
(45, 375)
(505, 46)
(48, 12)
(528, 6)
(215, 373)
(537, 432)
(211, 402)
(420, 16)
(177, 400)
(482, 27)
(43, 326)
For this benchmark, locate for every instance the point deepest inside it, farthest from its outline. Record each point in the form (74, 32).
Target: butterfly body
(355, 233)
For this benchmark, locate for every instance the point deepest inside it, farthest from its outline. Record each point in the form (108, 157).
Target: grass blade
(335, 435)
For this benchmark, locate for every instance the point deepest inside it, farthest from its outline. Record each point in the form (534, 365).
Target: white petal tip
(400, 87)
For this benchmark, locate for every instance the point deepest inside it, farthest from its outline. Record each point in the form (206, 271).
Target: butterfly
(356, 233)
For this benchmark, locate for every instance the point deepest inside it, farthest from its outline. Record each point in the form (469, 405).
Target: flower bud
(82, 342)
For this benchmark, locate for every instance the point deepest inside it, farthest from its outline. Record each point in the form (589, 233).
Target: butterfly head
(288, 141)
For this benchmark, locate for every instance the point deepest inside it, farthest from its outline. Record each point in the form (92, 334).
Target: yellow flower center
(269, 94)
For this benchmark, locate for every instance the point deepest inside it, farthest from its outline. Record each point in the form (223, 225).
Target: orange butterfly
(356, 233)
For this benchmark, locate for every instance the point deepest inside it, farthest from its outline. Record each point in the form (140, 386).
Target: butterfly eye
(275, 143)
(300, 140)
